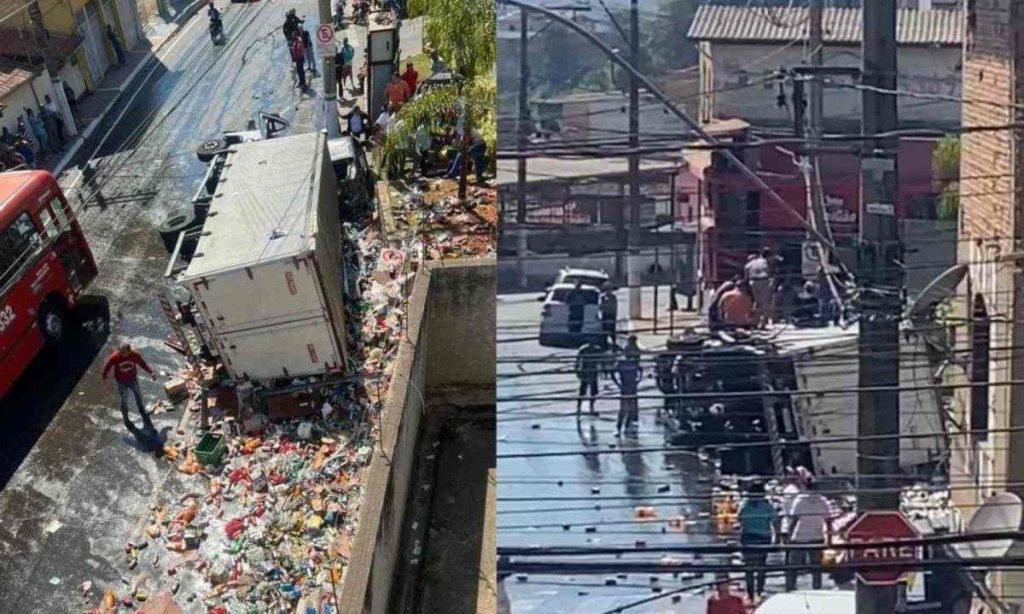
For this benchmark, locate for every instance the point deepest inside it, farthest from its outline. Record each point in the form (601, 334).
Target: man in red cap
(125, 363)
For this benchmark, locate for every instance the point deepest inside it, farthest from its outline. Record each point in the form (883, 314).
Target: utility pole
(881, 286)
(633, 264)
(522, 130)
(329, 78)
(816, 117)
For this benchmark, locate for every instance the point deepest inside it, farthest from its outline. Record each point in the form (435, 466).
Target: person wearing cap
(810, 523)
(125, 363)
(758, 525)
(723, 601)
(608, 306)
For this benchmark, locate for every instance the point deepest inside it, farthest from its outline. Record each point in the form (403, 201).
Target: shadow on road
(47, 383)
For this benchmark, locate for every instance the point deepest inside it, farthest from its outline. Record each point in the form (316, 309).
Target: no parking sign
(325, 40)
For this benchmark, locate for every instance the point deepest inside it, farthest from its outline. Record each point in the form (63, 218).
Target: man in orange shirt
(737, 306)
(397, 91)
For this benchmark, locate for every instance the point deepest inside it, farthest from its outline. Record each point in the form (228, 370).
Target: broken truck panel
(266, 273)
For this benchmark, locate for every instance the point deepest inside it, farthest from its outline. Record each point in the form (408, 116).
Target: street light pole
(881, 280)
(633, 264)
(333, 123)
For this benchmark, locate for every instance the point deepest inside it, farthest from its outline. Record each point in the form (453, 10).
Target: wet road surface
(75, 485)
(597, 493)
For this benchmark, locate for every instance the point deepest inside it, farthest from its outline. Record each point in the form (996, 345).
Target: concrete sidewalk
(93, 108)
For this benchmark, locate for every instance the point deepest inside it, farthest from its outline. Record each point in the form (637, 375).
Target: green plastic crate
(211, 449)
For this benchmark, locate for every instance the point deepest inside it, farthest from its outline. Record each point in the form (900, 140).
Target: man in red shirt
(723, 601)
(397, 91)
(411, 78)
(125, 363)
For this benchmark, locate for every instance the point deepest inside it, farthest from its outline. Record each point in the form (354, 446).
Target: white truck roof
(810, 602)
(259, 216)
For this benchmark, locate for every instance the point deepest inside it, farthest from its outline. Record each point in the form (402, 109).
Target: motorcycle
(216, 31)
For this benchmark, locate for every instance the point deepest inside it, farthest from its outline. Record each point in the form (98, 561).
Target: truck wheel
(175, 223)
(52, 322)
(208, 150)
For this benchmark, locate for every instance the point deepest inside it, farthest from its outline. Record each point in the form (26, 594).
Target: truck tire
(208, 150)
(53, 322)
(176, 222)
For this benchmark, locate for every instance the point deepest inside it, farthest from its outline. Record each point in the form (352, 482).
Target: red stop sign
(881, 527)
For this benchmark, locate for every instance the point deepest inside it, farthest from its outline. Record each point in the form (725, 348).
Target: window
(58, 210)
(980, 348)
(18, 243)
(562, 294)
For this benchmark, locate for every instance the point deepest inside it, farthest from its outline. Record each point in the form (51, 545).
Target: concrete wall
(453, 298)
(925, 70)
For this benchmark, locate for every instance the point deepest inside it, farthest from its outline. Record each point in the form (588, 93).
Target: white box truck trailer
(266, 275)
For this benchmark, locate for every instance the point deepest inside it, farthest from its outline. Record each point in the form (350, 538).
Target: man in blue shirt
(627, 376)
(758, 523)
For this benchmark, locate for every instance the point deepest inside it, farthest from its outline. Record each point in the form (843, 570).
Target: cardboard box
(292, 406)
(161, 604)
(176, 389)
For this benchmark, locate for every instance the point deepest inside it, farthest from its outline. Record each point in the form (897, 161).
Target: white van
(810, 602)
(554, 320)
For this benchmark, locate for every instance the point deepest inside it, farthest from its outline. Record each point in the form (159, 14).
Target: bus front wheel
(52, 322)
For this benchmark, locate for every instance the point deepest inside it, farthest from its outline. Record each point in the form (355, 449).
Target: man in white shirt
(810, 523)
(381, 125)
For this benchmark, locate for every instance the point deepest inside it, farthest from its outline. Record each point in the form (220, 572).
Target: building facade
(988, 311)
(742, 49)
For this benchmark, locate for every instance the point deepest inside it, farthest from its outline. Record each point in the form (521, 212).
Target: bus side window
(58, 210)
(50, 227)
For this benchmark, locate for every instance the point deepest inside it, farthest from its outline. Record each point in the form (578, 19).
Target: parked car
(265, 126)
(437, 80)
(554, 322)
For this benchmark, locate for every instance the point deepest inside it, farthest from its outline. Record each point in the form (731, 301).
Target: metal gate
(88, 21)
(129, 22)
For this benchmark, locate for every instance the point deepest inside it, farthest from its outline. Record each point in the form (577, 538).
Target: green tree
(464, 33)
(946, 168)
(668, 35)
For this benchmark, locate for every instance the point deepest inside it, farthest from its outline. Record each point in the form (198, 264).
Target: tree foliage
(437, 109)
(464, 33)
(946, 168)
(668, 35)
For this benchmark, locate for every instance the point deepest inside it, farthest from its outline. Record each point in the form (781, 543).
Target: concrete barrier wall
(450, 344)
(461, 347)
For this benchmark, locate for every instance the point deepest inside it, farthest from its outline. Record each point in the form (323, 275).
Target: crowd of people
(762, 296)
(37, 135)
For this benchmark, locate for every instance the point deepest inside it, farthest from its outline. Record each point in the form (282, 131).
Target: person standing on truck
(736, 307)
(810, 523)
(758, 521)
(125, 363)
(608, 305)
(757, 273)
(588, 363)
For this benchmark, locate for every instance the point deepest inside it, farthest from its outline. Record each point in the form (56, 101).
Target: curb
(183, 18)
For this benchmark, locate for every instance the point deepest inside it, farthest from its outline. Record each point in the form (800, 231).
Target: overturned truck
(790, 398)
(258, 284)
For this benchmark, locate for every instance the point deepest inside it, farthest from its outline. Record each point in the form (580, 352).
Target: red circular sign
(881, 527)
(325, 33)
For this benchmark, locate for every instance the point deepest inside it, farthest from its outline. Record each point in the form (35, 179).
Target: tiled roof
(21, 45)
(841, 25)
(12, 76)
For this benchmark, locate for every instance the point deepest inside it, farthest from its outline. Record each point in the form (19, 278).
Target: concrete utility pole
(633, 264)
(330, 82)
(881, 286)
(522, 131)
(816, 116)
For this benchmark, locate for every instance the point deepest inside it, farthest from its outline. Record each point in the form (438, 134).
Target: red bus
(45, 265)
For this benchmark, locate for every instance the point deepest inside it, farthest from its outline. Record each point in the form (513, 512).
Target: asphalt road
(604, 490)
(75, 486)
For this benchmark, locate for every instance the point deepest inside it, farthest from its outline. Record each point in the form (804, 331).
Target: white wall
(925, 70)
